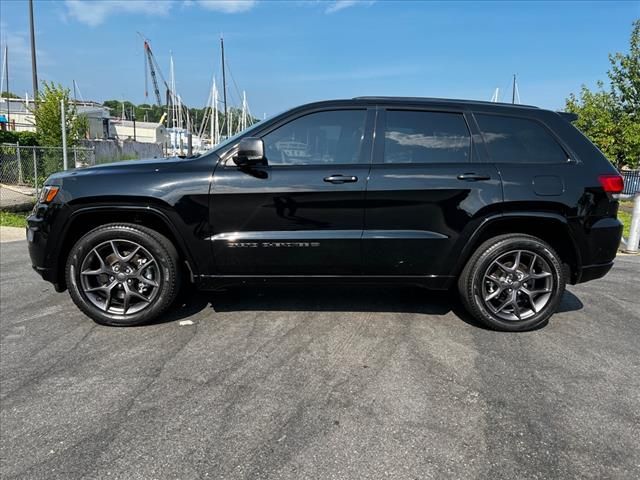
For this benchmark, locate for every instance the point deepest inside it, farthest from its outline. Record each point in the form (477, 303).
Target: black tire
(157, 259)
(483, 294)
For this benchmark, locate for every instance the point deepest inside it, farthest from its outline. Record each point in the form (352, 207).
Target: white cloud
(338, 5)
(94, 13)
(227, 6)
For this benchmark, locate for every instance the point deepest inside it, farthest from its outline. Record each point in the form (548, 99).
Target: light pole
(34, 68)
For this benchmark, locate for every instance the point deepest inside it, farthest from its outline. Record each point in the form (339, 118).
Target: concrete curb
(12, 234)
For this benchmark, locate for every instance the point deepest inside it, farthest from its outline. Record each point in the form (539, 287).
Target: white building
(19, 116)
(144, 132)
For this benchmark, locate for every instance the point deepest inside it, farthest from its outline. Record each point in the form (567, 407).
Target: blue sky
(291, 52)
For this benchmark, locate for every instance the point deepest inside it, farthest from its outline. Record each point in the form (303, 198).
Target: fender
(158, 213)
(491, 221)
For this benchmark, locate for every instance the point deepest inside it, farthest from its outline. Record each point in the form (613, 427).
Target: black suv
(506, 203)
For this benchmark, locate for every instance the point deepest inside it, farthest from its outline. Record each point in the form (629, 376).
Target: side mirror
(250, 152)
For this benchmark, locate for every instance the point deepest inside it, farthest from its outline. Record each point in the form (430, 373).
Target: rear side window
(426, 137)
(519, 140)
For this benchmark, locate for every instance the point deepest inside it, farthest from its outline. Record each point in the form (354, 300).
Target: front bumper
(40, 251)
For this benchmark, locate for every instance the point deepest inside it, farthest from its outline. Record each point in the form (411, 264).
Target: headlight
(48, 193)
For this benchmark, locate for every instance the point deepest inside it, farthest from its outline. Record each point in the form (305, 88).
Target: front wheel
(512, 282)
(123, 274)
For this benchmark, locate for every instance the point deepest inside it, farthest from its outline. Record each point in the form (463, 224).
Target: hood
(126, 166)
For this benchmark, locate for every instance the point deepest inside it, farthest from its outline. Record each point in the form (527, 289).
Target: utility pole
(224, 88)
(34, 68)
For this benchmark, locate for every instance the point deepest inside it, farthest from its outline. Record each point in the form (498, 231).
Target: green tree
(7, 94)
(611, 118)
(625, 75)
(47, 114)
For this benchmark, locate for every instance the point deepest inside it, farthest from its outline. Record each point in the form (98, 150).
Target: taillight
(611, 183)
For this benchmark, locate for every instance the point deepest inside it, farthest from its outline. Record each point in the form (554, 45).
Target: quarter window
(519, 140)
(426, 137)
(322, 138)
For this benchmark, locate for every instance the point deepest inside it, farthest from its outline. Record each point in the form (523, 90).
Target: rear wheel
(123, 274)
(512, 282)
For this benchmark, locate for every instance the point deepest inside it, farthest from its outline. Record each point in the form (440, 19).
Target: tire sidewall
(78, 253)
(495, 251)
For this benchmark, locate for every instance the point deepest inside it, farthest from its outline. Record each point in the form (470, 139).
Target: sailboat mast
(212, 127)
(224, 87)
(243, 121)
(173, 92)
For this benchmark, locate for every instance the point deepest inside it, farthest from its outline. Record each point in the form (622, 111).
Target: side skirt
(432, 282)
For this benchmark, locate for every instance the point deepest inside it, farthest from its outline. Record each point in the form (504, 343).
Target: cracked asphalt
(326, 383)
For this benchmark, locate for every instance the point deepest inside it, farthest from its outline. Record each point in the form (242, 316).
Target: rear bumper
(592, 272)
(599, 245)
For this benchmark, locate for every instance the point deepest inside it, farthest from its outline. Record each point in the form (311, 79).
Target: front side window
(426, 137)
(322, 138)
(519, 140)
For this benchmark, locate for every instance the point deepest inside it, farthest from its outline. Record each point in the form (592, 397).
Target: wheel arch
(86, 218)
(549, 227)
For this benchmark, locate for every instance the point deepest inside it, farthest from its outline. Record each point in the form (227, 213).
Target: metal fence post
(35, 171)
(634, 231)
(64, 135)
(19, 163)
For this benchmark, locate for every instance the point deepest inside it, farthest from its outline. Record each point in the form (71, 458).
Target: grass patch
(624, 215)
(625, 218)
(11, 219)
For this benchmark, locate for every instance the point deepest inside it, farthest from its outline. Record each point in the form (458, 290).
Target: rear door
(303, 213)
(428, 189)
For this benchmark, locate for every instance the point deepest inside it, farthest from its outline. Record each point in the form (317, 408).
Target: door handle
(473, 177)
(340, 179)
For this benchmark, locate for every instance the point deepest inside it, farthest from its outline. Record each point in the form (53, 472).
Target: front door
(428, 188)
(302, 214)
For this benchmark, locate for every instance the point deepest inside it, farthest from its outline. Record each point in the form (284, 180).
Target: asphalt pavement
(322, 383)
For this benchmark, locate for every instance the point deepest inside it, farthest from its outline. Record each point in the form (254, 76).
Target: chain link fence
(23, 169)
(631, 181)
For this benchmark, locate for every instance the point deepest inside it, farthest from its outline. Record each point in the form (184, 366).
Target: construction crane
(151, 67)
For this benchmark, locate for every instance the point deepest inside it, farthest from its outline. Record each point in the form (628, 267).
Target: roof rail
(439, 100)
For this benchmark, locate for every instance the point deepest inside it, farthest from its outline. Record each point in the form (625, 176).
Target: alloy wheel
(517, 285)
(120, 277)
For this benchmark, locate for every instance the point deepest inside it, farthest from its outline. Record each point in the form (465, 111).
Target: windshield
(229, 141)
(233, 138)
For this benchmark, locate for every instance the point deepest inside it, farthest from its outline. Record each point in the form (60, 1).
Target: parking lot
(319, 383)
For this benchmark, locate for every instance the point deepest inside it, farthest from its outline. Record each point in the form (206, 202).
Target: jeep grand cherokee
(506, 203)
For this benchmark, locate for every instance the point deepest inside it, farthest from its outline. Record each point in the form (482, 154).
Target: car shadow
(392, 299)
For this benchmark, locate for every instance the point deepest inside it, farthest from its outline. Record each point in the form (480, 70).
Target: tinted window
(518, 140)
(323, 138)
(426, 137)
